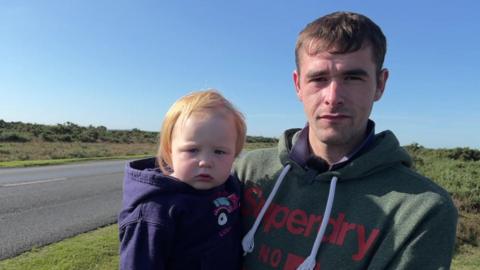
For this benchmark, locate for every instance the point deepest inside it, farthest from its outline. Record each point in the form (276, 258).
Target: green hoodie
(384, 215)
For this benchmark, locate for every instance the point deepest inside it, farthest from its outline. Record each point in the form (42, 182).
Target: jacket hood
(143, 179)
(383, 152)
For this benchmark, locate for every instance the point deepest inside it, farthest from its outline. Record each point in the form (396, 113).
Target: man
(335, 195)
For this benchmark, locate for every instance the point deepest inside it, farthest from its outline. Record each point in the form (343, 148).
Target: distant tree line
(70, 132)
(457, 153)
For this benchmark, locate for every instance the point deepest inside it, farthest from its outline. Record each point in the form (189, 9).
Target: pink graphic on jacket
(223, 207)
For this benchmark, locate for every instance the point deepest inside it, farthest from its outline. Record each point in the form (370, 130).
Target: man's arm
(429, 246)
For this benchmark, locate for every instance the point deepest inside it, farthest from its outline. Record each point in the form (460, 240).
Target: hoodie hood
(143, 180)
(383, 145)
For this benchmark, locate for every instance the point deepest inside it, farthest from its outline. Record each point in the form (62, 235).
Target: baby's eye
(192, 150)
(219, 152)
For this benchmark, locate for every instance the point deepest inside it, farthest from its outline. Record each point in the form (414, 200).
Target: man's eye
(353, 78)
(319, 79)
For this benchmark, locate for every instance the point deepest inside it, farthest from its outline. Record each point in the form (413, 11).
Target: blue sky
(121, 63)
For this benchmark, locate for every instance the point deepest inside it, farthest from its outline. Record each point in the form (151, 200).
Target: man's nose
(333, 93)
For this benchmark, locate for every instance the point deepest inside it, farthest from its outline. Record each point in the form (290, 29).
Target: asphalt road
(43, 205)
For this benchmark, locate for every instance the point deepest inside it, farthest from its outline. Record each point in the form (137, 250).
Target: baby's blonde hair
(182, 109)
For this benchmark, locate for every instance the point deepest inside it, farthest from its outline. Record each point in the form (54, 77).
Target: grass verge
(31, 163)
(467, 258)
(55, 153)
(96, 250)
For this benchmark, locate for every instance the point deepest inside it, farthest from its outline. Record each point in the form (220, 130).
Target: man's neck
(334, 153)
(302, 150)
(328, 152)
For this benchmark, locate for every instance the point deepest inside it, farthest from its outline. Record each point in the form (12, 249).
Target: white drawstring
(309, 262)
(248, 241)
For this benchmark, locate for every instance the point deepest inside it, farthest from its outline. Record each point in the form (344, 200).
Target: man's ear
(296, 82)
(381, 83)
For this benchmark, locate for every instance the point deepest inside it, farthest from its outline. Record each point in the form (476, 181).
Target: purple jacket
(167, 224)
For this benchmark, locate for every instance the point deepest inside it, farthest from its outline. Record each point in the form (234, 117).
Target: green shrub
(88, 136)
(261, 139)
(47, 136)
(11, 136)
(64, 138)
(464, 154)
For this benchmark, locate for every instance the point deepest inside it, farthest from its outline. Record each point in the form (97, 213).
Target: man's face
(337, 92)
(203, 149)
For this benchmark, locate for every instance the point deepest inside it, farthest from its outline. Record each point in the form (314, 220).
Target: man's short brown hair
(339, 33)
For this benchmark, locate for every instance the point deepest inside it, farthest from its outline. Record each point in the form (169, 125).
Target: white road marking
(34, 182)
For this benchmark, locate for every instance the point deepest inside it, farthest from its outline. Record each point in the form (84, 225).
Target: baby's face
(203, 149)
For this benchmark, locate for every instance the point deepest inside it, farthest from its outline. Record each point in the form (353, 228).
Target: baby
(181, 210)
